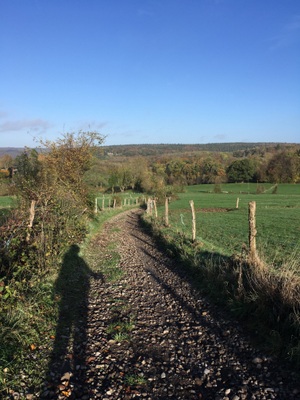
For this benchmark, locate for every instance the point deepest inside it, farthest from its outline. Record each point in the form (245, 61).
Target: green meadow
(223, 229)
(7, 201)
(6, 204)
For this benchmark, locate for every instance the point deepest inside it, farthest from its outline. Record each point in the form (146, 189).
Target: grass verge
(29, 320)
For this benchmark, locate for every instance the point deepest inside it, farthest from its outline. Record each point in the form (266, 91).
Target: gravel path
(151, 336)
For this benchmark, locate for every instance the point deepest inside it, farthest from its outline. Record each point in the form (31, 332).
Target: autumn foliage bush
(52, 213)
(53, 207)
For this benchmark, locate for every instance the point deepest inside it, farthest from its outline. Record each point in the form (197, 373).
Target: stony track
(149, 335)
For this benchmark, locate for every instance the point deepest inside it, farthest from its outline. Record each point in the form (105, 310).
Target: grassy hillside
(11, 151)
(164, 149)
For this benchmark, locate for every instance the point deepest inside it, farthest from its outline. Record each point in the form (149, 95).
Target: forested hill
(164, 149)
(11, 151)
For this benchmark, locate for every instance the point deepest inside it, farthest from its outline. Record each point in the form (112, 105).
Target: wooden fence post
(31, 218)
(237, 202)
(193, 220)
(96, 206)
(167, 211)
(103, 205)
(155, 208)
(148, 209)
(252, 232)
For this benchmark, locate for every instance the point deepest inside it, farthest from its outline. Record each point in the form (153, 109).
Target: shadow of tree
(67, 366)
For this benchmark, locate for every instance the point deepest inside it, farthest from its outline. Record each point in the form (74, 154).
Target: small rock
(163, 375)
(198, 382)
(270, 390)
(66, 376)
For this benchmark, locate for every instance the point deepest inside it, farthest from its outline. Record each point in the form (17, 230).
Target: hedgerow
(52, 214)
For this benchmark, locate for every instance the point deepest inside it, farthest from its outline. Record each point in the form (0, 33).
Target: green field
(6, 204)
(224, 229)
(7, 201)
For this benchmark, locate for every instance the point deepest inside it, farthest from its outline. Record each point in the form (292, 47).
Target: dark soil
(150, 335)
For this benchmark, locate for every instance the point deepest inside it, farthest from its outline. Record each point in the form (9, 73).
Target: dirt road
(149, 335)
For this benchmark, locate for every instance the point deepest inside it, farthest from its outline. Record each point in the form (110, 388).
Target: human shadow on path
(67, 367)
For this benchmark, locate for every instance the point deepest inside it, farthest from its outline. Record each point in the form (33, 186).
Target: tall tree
(284, 167)
(70, 157)
(241, 171)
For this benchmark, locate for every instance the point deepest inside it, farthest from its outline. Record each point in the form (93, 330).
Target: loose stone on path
(176, 346)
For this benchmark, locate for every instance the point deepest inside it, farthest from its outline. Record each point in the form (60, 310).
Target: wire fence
(251, 229)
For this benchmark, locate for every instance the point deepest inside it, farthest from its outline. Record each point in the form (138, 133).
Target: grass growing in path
(135, 380)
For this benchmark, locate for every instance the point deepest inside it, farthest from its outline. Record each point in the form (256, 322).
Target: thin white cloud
(3, 114)
(85, 126)
(220, 137)
(35, 125)
(289, 34)
(91, 125)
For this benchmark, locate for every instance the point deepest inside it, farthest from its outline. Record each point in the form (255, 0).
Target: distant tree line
(156, 174)
(238, 149)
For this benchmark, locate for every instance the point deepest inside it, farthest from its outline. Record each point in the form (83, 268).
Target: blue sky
(150, 71)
